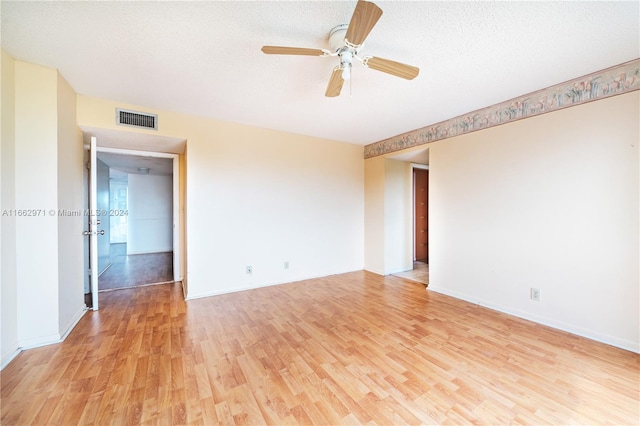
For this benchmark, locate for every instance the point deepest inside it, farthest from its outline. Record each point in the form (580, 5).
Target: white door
(93, 223)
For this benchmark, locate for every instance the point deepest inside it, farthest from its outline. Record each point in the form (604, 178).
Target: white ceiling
(129, 164)
(204, 58)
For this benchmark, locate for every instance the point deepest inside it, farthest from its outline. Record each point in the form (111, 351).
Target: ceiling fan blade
(392, 67)
(364, 18)
(335, 83)
(283, 50)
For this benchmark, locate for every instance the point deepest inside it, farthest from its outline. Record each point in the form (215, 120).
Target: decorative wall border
(612, 81)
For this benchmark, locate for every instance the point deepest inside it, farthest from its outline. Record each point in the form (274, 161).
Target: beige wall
(549, 202)
(374, 192)
(260, 198)
(398, 204)
(36, 187)
(42, 292)
(70, 197)
(8, 283)
(388, 216)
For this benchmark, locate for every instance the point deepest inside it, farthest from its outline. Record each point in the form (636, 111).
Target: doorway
(421, 224)
(139, 249)
(420, 215)
(414, 227)
(153, 148)
(415, 159)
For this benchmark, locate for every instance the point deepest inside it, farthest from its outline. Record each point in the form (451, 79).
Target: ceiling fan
(346, 42)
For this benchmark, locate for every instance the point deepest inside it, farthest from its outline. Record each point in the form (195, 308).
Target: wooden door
(421, 214)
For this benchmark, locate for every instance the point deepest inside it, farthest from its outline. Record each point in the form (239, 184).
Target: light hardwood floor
(347, 349)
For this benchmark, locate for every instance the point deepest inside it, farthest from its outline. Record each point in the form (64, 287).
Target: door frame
(93, 223)
(177, 232)
(413, 204)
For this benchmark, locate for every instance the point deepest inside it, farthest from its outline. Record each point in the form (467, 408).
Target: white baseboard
(40, 341)
(396, 270)
(133, 253)
(9, 358)
(70, 325)
(550, 322)
(260, 285)
(46, 340)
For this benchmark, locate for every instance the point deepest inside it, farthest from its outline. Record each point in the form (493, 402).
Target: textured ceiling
(204, 58)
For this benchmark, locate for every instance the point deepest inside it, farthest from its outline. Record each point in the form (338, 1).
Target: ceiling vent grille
(144, 120)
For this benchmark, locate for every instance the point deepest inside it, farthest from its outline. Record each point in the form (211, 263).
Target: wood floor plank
(354, 348)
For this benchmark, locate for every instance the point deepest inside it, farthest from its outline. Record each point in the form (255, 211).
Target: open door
(92, 232)
(421, 214)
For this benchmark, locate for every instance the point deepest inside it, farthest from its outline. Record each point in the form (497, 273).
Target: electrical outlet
(249, 270)
(286, 265)
(535, 294)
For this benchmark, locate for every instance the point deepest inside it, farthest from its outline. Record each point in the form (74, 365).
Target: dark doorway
(421, 214)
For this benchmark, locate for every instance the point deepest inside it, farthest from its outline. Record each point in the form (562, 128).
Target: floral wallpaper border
(613, 81)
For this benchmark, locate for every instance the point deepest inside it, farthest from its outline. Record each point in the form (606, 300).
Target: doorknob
(85, 233)
(100, 232)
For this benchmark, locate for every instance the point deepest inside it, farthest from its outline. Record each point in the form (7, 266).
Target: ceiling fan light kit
(345, 41)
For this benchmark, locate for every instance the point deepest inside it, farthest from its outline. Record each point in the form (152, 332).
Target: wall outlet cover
(535, 294)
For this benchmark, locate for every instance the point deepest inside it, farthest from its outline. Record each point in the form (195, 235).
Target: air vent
(136, 119)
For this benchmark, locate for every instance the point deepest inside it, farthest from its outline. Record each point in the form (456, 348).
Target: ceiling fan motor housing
(345, 51)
